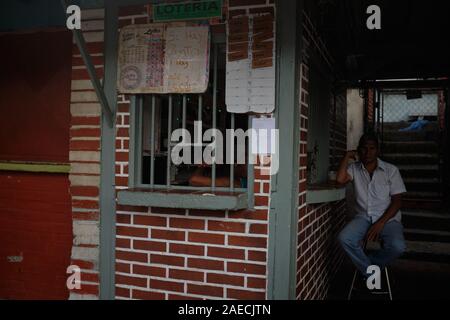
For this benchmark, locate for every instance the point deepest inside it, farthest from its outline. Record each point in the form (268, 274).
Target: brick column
(85, 158)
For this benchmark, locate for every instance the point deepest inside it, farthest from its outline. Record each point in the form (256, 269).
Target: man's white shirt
(373, 196)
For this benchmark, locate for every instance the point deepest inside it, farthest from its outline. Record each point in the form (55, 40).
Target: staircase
(427, 236)
(416, 154)
(426, 222)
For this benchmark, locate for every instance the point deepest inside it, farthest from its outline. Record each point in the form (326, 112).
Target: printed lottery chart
(164, 58)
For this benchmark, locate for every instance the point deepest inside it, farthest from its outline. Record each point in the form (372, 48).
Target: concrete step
(423, 196)
(406, 167)
(392, 126)
(421, 180)
(426, 220)
(423, 135)
(427, 235)
(427, 251)
(419, 171)
(410, 147)
(422, 184)
(421, 250)
(422, 201)
(418, 266)
(419, 280)
(411, 158)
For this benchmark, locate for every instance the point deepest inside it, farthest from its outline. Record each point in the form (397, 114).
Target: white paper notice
(264, 142)
(250, 86)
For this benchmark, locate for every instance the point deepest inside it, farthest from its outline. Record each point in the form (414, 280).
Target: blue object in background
(416, 125)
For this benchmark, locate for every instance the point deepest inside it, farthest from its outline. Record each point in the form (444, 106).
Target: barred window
(153, 119)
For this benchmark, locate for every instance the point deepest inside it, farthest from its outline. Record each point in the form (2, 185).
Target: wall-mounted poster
(250, 79)
(164, 58)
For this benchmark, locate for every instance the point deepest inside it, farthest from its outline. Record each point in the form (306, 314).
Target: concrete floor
(410, 280)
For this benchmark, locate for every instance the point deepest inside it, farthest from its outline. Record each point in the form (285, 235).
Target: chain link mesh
(397, 108)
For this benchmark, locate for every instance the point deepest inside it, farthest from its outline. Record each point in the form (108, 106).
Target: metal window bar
(183, 117)
(169, 133)
(171, 98)
(377, 110)
(183, 125)
(214, 118)
(152, 143)
(199, 118)
(139, 113)
(232, 149)
(250, 169)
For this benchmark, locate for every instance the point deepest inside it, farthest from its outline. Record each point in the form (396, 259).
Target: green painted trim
(250, 173)
(188, 188)
(107, 157)
(132, 155)
(326, 195)
(35, 167)
(283, 218)
(137, 144)
(200, 200)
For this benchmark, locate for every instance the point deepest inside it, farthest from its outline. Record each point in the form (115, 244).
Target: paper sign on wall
(265, 139)
(164, 58)
(250, 78)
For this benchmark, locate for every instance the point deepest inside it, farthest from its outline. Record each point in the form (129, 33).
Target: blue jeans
(352, 238)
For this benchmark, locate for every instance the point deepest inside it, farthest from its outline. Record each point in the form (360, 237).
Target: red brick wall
(318, 255)
(85, 158)
(189, 254)
(338, 128)
(370, 105)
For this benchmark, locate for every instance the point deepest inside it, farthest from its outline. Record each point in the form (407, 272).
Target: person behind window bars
(202, 177)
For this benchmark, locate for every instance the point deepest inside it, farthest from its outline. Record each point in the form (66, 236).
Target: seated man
(378, 190)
